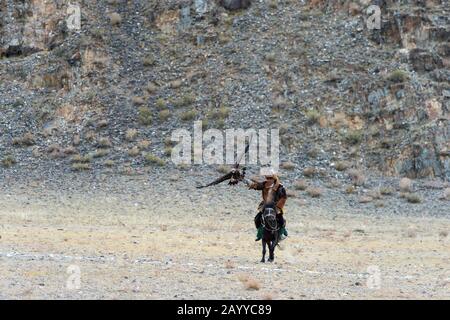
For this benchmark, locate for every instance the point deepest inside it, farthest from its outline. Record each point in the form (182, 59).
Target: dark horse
(271, 228)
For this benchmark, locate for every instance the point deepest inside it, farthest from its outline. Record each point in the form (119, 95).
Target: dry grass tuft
(300, 185)
(342, 165)
(357, 176)
(131, 134)
(288, 165)
(314, 192)
(309, 172)
(229, 264)
(144, 116)
(154, 160)
(405, 185)
(115, 19)
(385, 191)
(8, 161)
(26, 140)
(134, 152)
(413, 198)
(252, 284)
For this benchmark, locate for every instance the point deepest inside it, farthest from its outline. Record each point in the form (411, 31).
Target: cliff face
(338, 90)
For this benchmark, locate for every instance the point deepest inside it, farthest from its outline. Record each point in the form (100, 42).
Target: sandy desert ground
(180, 245)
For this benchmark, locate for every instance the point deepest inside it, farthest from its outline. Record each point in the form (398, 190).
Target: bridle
(269, 220)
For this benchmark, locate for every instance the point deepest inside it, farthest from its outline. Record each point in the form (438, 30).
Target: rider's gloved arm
(251, 184)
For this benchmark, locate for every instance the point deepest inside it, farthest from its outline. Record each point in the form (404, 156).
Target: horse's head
(269, 216)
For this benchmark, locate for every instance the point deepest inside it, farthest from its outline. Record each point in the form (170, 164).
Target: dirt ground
(109, 246)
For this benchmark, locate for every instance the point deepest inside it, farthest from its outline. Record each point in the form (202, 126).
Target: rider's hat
(268, 172)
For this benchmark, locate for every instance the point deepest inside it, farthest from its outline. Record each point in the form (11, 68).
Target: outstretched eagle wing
(228, 176)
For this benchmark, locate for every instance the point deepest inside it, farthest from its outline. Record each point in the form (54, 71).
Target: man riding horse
(271, 180)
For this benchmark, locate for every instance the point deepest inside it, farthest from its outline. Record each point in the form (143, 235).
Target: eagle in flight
(235, 175)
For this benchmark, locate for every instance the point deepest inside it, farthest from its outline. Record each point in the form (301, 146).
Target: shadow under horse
(270, 236)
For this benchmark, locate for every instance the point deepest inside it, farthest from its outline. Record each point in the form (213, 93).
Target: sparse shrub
(26, 140)
(81, 166)
(102, 124)
(314, 192)
(288, 165)
(350, 189)
(115, 19)
(164, 115)
(82, 159)
(8, 161)
(151, 88)
(144, 144)
(53, 148)
(138, 101)
(386, 191)
(357, 176)
(342, 165)
(413, 198)
(131, 134)
(104, 142)
(90, 136)
(176, 84)
(134, 152)
(149, 61)
(144, 116)
(100, 153)
(188, 115)
(271, 57)
(398, 76)
(185, 100)
(300, 185)
(405, 185)
(69, 150)
(312, 153)
(168, 151)
(220, 124)
(252, 284)
(155, 160)
(160, 104)
(313, 116)
(309, 172)
(353, 137)
(273, 4)
(365, 199)
(109, 163)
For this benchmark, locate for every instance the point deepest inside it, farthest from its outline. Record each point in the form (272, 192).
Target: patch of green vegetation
(354, 137)
(189, 115)
(8, 161)
(398, 76)
(312, 116)
(144, 116)
(154, 160)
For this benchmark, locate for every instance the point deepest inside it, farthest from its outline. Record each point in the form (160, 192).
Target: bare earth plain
(128, 238)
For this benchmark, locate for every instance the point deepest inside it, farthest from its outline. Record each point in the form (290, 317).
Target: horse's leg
(272, 246)
(263, 259)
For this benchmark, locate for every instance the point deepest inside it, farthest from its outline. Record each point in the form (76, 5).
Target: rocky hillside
(110, 94)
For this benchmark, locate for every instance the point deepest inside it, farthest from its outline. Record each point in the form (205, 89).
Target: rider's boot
(283, 233)
(259, 233)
